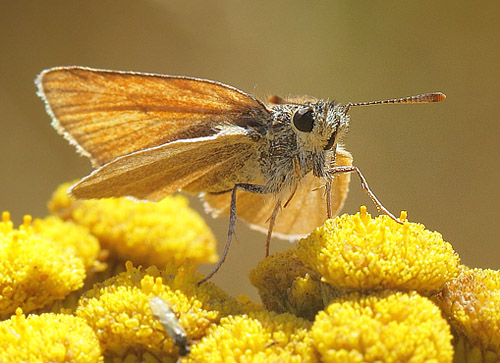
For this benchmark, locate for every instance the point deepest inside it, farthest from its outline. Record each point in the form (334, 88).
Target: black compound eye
(303, 119)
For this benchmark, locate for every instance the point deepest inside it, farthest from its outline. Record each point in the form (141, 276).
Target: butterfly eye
(303, 119)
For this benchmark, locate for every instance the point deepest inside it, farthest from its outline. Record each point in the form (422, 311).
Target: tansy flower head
(257, 337)
(365, 253)
(382, 327)
(472, 304)
(285, 285)
(147, 233)
(48, 338)
(119, 310)
(34, 271)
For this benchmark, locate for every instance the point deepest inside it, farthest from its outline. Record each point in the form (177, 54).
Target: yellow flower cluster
(369, 285)
(34, 270)
(218, 326)
(471, 302)
(48, 338)
(285, 285)
(146, 233)
(358, 289)
(118, 310)
(365, 253)
(382, 327)
(257, 337)
(47, 260)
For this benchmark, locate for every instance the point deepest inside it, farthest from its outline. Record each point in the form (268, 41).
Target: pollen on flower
(33, 271)
(471, 302)
(147, 233)
(256, 337)
(382, 327)
(118, 310)
(48, 338)
(361, 252)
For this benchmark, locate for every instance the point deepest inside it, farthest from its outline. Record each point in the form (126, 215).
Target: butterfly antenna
(422, 98)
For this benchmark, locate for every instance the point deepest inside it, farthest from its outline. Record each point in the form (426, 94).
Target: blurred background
(441, 162)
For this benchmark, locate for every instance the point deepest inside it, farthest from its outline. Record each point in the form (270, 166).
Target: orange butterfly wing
(107, 114)
(213, 163)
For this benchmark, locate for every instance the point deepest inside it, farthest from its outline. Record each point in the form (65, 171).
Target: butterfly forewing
(108, 114)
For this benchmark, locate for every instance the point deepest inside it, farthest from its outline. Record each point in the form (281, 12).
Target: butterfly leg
(328, 194)
(272, 219)
(366, 188)
(252, 188)
(296, 168)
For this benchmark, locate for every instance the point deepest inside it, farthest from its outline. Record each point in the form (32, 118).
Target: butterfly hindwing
(309, 200)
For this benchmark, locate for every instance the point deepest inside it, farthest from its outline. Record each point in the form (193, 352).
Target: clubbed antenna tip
(421, 98)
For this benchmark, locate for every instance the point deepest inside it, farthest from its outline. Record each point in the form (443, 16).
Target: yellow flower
(74, 239)
(362, 281)
(285, 285)
(144, 232)
(361, 252)
(34, 271)
(472, 304)
(118, 310)
(77, 241)
(382, 327)
(257, 337)
(48, 338)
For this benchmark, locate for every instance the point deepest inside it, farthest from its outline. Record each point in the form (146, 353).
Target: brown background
(440, 162)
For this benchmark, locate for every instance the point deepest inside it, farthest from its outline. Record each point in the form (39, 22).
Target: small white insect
(165, 315)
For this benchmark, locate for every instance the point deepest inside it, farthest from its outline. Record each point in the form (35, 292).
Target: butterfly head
(320, 125)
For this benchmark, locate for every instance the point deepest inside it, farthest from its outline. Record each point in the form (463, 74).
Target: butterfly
(280, 165)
